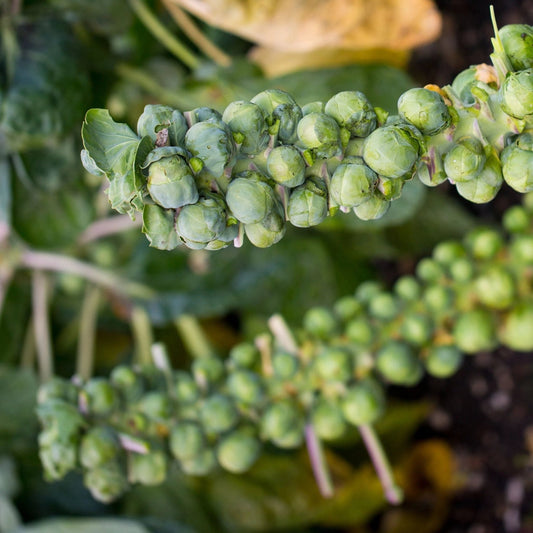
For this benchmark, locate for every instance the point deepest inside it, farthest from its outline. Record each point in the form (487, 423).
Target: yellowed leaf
(304, 25)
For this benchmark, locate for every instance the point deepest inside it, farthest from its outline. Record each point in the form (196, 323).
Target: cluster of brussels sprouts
(208, 177)
(467, 297)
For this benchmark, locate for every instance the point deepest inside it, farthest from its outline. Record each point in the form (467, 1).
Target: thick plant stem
(318, 462)
(163, 35)
(193, 337)
(40, 288)
(282, 333)
(393, 493)
(108, 226)
(143, 335)
(88, 323)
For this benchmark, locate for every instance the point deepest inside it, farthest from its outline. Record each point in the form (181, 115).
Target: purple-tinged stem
(318, 462)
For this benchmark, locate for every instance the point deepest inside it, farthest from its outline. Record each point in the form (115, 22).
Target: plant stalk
(108, 226)
(143, 335)
(87, 335)
(41, 323)
(193, 336)
(318, 462)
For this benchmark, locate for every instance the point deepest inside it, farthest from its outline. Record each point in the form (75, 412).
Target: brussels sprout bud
(98, 446)
(328, 420)
(462, 85)
(244, 355)
(147, 469)
(218, 414)
(203, 221)
(246, 387)
(416, 329)
(474, 331)
(57, 458)
(353, 111)
(208, 370)
(367, 290)
(517, 40)
(352, 184)
(238, 451)
(517, 93)
(516, 332)
(250, 198)
(187, 440)
(516, 219)
(308, 204)
(158, 226)
(446, 252)
(321, 134)
(375, 207)
(465, 160)
(333, 364)
(102, 398)
(383, 305)
(286, 166)
(155, 405)
(397, 363)
(282, 423)
(127, 382)
(201, 464)
(359, 331)
(270, 230)
(185, 388)
(495, 287)
(320, 321)
(285, 365)
(247, 120)
(483, 243)
(429, 270)
(57, 389)
(203, 114)
(430, 169)
(390, 188)
(106, 482)
(517, 163)
(443, 361)
(347, 308)
(313, 107)
(158, 117)
(212, 144)
(438, 299)
(424, 109)
(462, 270)
(485, 186)
(407, 288)
(390, 151)
(363, 403)
(522, 249)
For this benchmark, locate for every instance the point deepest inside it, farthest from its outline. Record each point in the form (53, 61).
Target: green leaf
(84, 525)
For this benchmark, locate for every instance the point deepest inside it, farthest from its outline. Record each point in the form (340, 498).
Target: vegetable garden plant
(217, 192)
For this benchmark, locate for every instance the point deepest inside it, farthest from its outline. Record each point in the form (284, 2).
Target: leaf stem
(318, 462)
(163, 35)
(40, 288)
(393, 493)
(86, 339)
(282, 333)
(193, 336)
(108, 226)
(143, 335)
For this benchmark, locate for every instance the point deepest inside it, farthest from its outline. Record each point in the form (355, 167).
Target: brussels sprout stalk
(318, 462)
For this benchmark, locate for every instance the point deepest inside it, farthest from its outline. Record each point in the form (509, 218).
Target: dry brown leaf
(304, 25)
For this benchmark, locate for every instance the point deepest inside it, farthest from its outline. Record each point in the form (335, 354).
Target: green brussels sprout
(61, 420)
(495, 287)
(270, 230)
(360, 331)
(285, 365)
(213, 145)
(186, 440)
(57, 389)
(98, 446)
(429, 270)
(424, 109)
(517, 163)
(373, 208)
(516, 219)
(238, 451)
(408, 288)
(158, 226)
(102, 398)
(203, 114)
(430, 168)
(352, 184)
(397, 363)
(367, 290)
(203, 221)
(171, 183)
(185, 388)
(106, 482)
(247, 122)
(390, 188)
(283, 424)
(225, 238)
(416, 328)
(333, 364)
(208, 370)
(148, 469)
(250, 198)
(155, 405)
(320, 321)
(446, 252)
(517, 40)
(516, 332)
(462, 270)
(443, 361)
(483, 243)
(286, 165)
(327, 419)
(485, 186)
(201, 464)
(308, 204)
(313, 107)
(158, 117)
(522, 249)
(353, 111)
(363, 402)
(438, 299)
(465, 160)
(390, 151)
(474, 331)
(246, 387)
(463, 83)
(218, 414)
(58, 458)
(347, 307)
(129, 384)
(321, 134)
(517, 93)
(244, 355)
(383, 305)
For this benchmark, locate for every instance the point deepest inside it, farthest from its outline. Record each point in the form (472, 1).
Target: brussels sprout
(185, 388)
(483, 243)
(285, 365)
(201, 464)
(208, 369)
(98, 446)
(416, 328)
(359, 331)
(517, 163)
(363, 403)
(203, 221)
(462, 270)
(225, 238)
(516, 219)
(308, 204)
(407, 288)
(373, 208)
(158, 226)
(102, 398)
(367, 290)
(438, 299)
(443, 361)
(286, 165)
(106, 482)
(58, 458)
(313, 107)
(347, 307)
(203, 114)
(383, 305)
(390, 151)
(495, 287)
(238, 451)
(390, 188)
(333, 364)
(352, 184)
(127, 382)
(446, 252)
(463, 83)
(158, 117)
(321, 134)
(327, 419)
(516, 332)
(465, 160)
(270, 230)
(320, 321)
(155, 405)
(250, 198)
(244, 355)
(186, 440)
(430, 169)
(517, 40)
(213, 145)
(283, 423)
(474, 331)
(148, 469)
(246, 387)
(485, 186)
(429, 270)
(353, 111)
(218, 414)
(522, 249)
(247, 122)
(57, 389)
(424, 109)
(397, 363)
(517, 93)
